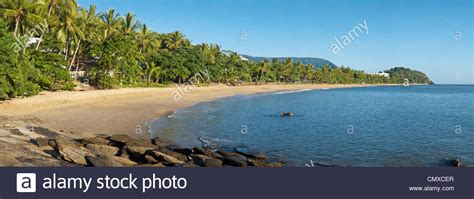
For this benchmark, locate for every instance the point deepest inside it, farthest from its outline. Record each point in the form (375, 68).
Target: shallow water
(372, 126)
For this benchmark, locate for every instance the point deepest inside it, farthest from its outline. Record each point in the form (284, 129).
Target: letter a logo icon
(25, 182)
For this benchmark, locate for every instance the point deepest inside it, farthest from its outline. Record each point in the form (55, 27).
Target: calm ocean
(372, 126)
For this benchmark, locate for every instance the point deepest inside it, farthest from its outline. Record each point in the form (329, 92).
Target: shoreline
(124, 111)
(28, 125)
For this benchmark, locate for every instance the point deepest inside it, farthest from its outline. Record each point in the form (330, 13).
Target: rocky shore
(124, 151)
(24, 144)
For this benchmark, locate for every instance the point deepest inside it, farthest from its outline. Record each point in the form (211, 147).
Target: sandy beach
(122, 111)
(86, 114)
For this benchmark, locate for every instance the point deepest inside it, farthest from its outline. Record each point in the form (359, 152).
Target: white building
(383, 74)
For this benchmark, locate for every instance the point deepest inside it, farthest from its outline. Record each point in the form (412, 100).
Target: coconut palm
(111, 22)
(129, 24)
(175, 40)
(55, 7)
(21, 12)
(145, 37)
(86, 20)
(152, 72)
(68, 27)
(264, 68)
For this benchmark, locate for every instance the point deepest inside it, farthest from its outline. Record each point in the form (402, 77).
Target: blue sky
(432, 36)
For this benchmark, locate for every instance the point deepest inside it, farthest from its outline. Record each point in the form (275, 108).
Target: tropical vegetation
(51, 44)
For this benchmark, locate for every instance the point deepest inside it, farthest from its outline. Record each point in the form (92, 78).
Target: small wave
(293, 91)
(212, 142)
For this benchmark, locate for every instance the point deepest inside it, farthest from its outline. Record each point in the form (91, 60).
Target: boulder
(61, 142)
(237, 161)
(228, 153)
(109, 161)
(137, 150)
(260, 163)
(249, 153)
(120, 138)
(150, 160)
(175, 148)
(42, 142)
(152, 165)
(199, 159)
(123, 161)
(75, 155)
(212, 162)
(102, 149)
(158, 142)
(137, 153)
(456, 163)
(95, 140)
(216, 155)
(177, 155)
(102, 161)
(187, 164)
(163, 157)
(140, 143)
(202, 150)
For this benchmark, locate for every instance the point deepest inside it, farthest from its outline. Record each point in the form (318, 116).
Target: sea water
(371, 126)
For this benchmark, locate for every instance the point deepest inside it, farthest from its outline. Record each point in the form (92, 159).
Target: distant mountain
(317, 62)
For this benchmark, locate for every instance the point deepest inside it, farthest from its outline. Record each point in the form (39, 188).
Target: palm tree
(264, 68)
(144, 37)
(152, 71)
(86, 20)
(175, 40)
(111, 22)
(68, 27)
(21, 12)
(54, 7)
(129, 24)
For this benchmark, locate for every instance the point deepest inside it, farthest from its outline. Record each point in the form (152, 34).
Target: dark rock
(228, 153)
(175, 148)
(212, 162)
(186, 164)
(249, 153)
(260, 163)
(158, 142)
(237, 161)
(102, 149)
(152, 165)
(287, 114)
(456, 163)
(199, 159)
(123, 153)
(216, 155)
(202, 151)
(137, 153)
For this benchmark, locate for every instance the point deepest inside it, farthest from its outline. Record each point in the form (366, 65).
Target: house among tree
(383, 74)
